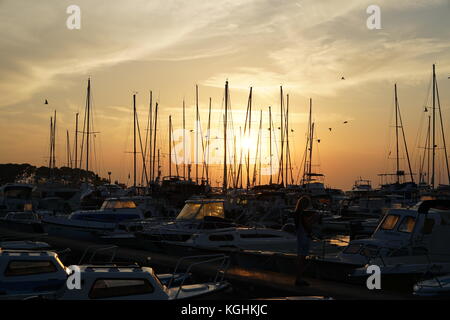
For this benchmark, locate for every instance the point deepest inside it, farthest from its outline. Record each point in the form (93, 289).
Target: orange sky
(306, 46)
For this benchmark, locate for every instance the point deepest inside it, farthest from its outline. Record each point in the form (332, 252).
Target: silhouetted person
(304, 217)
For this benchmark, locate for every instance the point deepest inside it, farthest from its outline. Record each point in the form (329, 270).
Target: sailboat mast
(208, 141)
(225, 176)
(149, 134)
(434, 130)
(170, 143)
(88, 110)
(281, 172)
(159, 165)
(396, 135)
(154, 142)
(311, 138)
(76, 140)
(184, 140)
(257, 149)
(270, 143)
(287, 140)
(134, 142)
(196, 134)
(249, 134)
(50, 158)
(54, 141)
(69, 161)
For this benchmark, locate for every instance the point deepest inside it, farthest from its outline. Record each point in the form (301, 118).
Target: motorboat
(41, 275)
(26, 221)
(112, 282)
(114, 216)
(25, 273)
(411, 242)
(202, 224)
(14, 196)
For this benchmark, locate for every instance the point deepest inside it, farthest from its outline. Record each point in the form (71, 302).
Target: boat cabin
(14, 196)
(30, 273)
(112, 210)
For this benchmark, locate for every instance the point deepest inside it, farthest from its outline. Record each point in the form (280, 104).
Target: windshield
(199, 211)
(189, 211)
(116, 204)
(390, 222)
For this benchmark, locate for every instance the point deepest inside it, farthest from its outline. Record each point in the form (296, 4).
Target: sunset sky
(170, 46)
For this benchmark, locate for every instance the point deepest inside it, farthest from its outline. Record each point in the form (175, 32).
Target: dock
(251, 280)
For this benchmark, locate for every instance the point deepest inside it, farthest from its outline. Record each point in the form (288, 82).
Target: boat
(112, 282)
(435, 287)
(26, 221)
(113, 216)
(25, 273)
(23, 245)
(404, 237)
(202, 224)
(15, 196)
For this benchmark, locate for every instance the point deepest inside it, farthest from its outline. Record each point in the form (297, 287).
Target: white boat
(26, 273)
(202, 224)
(137, 283)
(41, 275)
(419, 231)
(112, 217)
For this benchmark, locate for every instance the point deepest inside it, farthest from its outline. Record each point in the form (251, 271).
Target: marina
(224, 158)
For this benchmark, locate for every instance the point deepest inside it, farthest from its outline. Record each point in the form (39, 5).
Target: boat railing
(224, 261)
(96, 249)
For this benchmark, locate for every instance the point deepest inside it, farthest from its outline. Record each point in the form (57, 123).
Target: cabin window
(389, 222)
(24, 268)
(110, 288)
(211, 210)
(407, 225)
(189, 211)
(119, 205)
(221, 237)
(428, 226)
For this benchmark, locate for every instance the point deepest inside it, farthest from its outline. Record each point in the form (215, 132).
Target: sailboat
(404, 184)
(311, 182)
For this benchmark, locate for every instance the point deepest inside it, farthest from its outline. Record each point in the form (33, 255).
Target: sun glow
(247, 143)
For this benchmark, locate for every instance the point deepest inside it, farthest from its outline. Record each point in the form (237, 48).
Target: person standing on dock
(304, 217)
